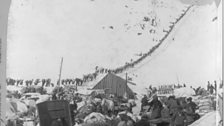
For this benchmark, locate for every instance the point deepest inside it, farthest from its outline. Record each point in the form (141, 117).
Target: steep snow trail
(86, 33)
(140, 72)
(108, 34)
(157, 46)
(191, 39)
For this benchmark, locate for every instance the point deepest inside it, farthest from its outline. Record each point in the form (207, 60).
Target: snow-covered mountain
(185, 48)
(109, 33)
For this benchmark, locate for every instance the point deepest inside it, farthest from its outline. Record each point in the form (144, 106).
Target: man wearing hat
(155, 108)
(191, 104)
(144, 102)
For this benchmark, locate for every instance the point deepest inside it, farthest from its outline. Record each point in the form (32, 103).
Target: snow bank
(210, 119)
(13, 88)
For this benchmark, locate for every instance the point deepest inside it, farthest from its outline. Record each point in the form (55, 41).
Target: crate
(51, 111)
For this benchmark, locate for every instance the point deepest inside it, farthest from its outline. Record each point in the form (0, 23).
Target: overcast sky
(41, 32)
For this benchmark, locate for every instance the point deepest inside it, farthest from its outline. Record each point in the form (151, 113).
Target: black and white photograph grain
(113, 63)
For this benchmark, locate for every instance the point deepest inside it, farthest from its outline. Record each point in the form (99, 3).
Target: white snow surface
(210, 119)
(105, 33)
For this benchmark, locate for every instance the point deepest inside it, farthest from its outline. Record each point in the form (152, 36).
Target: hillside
(109, 34)
(184, 57)
(188, 42)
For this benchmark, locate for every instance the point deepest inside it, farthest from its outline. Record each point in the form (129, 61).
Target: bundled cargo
(95, 117)
(206, 104)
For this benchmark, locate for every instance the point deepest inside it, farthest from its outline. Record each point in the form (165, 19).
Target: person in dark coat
(212, 89)
(155, 108)
(54, 97)
(191, 104)
(143, 122)
(208, 86)
(179, 118)
(144, 102)
(172, 104)
(165, 112)
(73, 108)
(190, 111)
(150, 87)
(215, 86)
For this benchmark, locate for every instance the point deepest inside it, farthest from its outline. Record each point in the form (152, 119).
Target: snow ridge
(128, 66)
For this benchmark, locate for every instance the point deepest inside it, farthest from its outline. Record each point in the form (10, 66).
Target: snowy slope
(86, 33)
(195, 35)
(210, 119)
(190, 41)
(108, 34)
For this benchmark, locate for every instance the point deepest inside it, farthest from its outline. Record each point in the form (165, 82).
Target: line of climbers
(142, 56)
(98, 70)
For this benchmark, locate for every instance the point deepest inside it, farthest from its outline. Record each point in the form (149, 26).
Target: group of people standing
(180, 111)
(212, 88)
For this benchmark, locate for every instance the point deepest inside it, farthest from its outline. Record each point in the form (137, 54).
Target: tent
(114, 85)
(184, 92)
(13, 106)
(10, 110)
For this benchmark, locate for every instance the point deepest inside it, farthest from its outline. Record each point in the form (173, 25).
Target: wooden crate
(50, 112)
